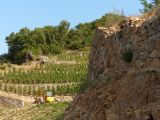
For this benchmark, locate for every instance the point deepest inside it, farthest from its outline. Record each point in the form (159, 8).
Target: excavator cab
(49, 97)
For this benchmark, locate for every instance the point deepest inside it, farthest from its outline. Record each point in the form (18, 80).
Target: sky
(16, 14)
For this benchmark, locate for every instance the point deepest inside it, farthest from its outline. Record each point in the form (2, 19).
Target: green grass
(55, 111)
(46, 111)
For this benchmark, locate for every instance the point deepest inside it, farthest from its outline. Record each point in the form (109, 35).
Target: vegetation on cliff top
(149, 6)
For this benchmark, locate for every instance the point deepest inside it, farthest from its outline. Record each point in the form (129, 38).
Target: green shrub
(55, 49)
(127, 55)
(4, 58)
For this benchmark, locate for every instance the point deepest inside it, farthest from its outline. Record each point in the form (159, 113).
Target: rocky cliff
(126, 90)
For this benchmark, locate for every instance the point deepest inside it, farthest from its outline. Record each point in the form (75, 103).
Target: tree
(63, 30)
(19, 44)
(74, 40)
(149, 6)
(54, 39)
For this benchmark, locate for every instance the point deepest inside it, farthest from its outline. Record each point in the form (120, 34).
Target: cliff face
(127, 91)
(143, 38)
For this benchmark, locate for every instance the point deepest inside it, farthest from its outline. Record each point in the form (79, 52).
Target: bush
(55, 49)
(127, 55)
(4, 58)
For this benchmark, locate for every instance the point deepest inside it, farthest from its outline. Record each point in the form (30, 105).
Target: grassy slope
(39, 112)
(55, 113)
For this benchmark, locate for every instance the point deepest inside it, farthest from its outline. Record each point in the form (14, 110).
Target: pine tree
(149, 6)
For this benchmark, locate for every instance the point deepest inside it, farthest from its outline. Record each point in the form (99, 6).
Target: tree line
(54, 39)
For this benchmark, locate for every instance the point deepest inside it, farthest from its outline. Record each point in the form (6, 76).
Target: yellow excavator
(49, 97)
(44, 98)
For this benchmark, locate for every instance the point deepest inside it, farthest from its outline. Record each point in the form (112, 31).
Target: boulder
(4, 101)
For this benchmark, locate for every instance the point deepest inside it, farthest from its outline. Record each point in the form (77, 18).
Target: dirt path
(43, 84)
(30, 99)
(30, 111)
(27, 99)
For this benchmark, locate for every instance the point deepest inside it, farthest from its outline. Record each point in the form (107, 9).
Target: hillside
(124, 74)
(39, 112)
(62, 74)
(52, 58)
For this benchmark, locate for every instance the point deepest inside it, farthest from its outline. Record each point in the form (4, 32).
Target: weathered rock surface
(127, 91)
(10, 102)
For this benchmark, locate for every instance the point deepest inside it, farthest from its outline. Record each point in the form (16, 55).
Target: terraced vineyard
(49, 73)
(63, 77)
